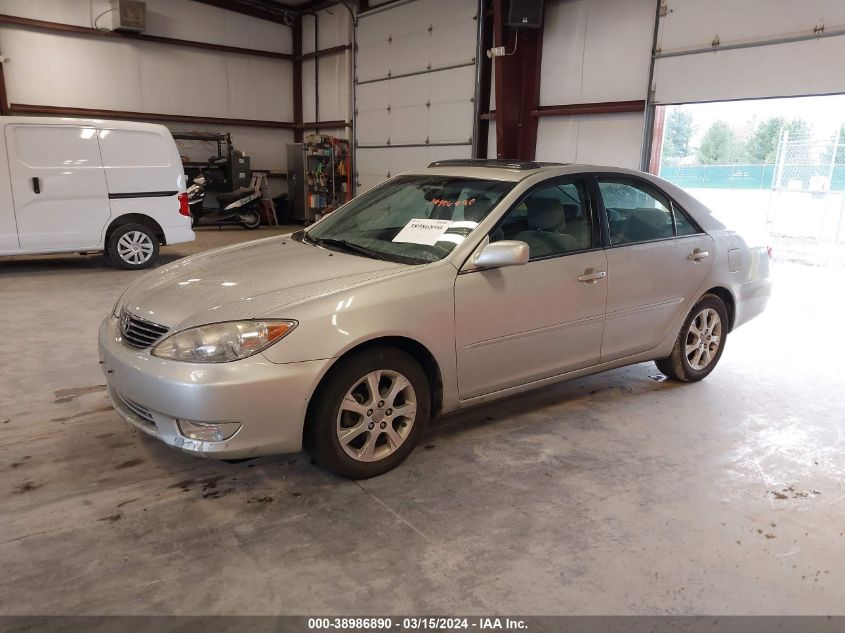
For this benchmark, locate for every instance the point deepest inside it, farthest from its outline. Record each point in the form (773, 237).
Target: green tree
(798, 129)
(763, 142)
(680, 128)
(720, 145)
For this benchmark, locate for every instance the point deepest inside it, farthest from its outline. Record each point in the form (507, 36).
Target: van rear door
(58, 186)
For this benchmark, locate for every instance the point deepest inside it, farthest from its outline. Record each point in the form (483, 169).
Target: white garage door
(415, 86)
(710, 51)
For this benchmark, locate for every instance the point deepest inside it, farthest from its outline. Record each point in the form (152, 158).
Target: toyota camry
(437, 290)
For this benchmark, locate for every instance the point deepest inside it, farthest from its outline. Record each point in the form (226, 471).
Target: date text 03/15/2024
(417, 624)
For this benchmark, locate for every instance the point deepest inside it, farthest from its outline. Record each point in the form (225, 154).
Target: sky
(825, 114)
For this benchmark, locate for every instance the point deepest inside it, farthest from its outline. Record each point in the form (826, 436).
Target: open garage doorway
(778, 164)
(775, 165)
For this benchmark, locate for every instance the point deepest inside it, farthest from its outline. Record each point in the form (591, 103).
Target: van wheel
(700, 343)
(368, 414)
(133, 246)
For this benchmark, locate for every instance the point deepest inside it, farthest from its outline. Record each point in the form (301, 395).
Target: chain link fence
(799, 197)
(814, 165)
(809, 165)
(720, 176)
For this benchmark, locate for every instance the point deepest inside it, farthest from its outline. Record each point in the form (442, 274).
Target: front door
(519, 324)
(58, 186)
(657, 260)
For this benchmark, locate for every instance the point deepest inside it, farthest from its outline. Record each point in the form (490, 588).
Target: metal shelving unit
(319, 178)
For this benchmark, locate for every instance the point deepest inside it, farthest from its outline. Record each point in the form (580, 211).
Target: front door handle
(591, 277)
(697, 255)
(36, 185)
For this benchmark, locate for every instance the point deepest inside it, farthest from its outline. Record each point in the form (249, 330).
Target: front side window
(552, 220)
(411, 219)
(635, 212)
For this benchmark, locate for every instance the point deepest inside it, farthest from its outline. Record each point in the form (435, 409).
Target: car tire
(250, 219)
(133, 246)
(700, 342)
(356, 434)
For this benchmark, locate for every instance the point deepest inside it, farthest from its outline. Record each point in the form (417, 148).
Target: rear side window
(133, 148)
(635, 212)
(683, 224)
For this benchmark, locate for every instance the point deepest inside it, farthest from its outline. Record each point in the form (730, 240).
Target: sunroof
(499, 163)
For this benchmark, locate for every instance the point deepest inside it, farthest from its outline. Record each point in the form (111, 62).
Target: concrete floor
(616, 494)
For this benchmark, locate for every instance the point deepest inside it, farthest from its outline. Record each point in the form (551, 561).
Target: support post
(656, 150)
(4, 98)
(517, 86)
(485, 75)
(297, 78)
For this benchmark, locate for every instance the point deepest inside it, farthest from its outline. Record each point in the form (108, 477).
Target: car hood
(246, 281)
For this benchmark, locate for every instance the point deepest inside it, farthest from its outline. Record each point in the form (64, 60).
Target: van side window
(636, 212)
(130, 148)
(57, 146)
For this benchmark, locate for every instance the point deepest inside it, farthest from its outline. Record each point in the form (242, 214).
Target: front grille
(139, 332)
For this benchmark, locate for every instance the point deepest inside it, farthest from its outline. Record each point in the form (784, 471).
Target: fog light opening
(208, 431)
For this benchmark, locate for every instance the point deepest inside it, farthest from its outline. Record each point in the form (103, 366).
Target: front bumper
(269, 400)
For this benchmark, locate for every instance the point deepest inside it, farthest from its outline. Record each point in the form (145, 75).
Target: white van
(87, 185)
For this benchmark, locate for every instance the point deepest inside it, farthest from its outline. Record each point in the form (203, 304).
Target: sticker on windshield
(438, 202)
(422, 231)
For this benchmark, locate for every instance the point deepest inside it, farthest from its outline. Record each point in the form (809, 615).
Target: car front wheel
(700, 343)
(367, 416)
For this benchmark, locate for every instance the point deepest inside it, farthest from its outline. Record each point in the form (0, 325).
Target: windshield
(410, 219)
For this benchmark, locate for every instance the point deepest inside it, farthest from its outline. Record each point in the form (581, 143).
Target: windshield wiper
(302, 236)
(348, 246)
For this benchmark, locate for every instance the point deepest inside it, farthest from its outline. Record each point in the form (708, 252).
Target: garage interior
(617, 494)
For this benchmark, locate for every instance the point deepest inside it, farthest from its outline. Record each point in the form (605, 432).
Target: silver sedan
(440, 289)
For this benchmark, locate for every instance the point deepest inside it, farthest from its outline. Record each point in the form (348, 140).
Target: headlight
(222, 342)
(115, 311)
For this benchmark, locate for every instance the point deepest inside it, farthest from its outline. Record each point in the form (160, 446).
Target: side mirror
(501, 254)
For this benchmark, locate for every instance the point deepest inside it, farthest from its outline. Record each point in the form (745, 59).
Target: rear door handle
(591, 278)
(36, 185)
(697, 255)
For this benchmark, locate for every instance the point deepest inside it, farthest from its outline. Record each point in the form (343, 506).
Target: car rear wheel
(700, 343)
(133, 246)
(367, 416)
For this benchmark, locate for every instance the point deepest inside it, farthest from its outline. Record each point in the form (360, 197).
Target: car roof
(513, 170)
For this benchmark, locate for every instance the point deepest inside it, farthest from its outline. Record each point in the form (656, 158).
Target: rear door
(657, 260)
(58, 186)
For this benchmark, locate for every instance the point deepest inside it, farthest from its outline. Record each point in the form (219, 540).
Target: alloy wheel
(376, 415)
(703, 339)
(135, 247)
